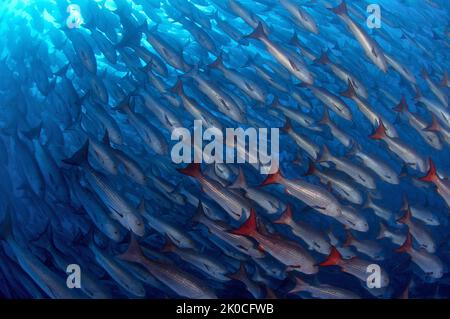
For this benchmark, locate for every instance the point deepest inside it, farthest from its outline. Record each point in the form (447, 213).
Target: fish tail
(218, 63)
(325, 117)
(444, 81)
(407, 245)
(334, 259)
(402, 107)
(354, 149)
(350, 92)
(249, 227)
(300, 285)
(324, 155)
(169, 246)
(286, 217)
(311, 168)
(275, 178)
(193, 170)
(240, 274)
(431, 174)
(240, 182)
(134, 251)
(380, 132)
(382, 231)
(323, 59)
(406, 217)
(287, 125)
(405, 203)
(79, 157)
(349, 239)
(340, 9)
(294, 40)
(434, 126)
(178, 87)
(258, 33)
(33, 133)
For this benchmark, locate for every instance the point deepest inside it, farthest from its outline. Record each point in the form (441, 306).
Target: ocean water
(93, 94)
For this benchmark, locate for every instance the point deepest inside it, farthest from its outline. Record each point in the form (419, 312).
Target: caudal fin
(134, 252)
(406, 217)
(300, 285)
(380, 132)
(407, 245)
(249, 227)
(323, 59)
(218, 63)
(79, 157)
(193, 170)
(240, 182)
(350, 92)
(178, 87)
(286, 217)
(402, 107)
(334, 259)
(275, 178)
(434, 126)
(311, 169)
(340, 9)
(258, 33)
(432, 173)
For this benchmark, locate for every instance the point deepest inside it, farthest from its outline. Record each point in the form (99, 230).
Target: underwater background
(93, 204)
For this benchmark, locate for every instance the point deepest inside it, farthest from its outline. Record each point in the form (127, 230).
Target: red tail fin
(249, 227)
(325, 117)
(340, 9)
(258, 33)
(275, 178)
(311, 168)
(380, 132)
(402, 107)
(431, 175)
(193, 170)
(333, 259)
(323, 59)
(434, 126)
(286, 217)
(406, 217)
(287, 126)
(134, 252)
(407, 245)
(350, 92)
(349, 240)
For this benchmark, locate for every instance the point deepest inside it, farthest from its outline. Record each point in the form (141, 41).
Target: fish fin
(286, 217)
(80, 156)
(275, 102)
(300, 285)
(431, 174)
(350, 92)
(134, 252)
(33, 133)
(405, 203)
(141, 207)
(178, 87)
(249, 226)
(258, 33)
(311, 168)
(323, 59)
(406, 217)
(333, 259)
(354, 148)
(63, 71)
(294, 40)
(382, 230)
(240, 274)
(402, 107)
(434, 126)
(218, 63)
(340, 9)
(287, 126)
(407, 245)
(325, 120)
(106, 139)
(193, 170)
(275, 178)
(169, 246)
(418, 93)
(240, 182)
(424, 73)
(380, 132)
(325, 155)
(193, 72)
(349, 239)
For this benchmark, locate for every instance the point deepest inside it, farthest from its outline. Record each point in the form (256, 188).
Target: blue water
(53, 98)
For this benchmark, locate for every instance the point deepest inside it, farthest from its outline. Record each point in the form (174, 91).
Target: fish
(322, 291)
(292, 255)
